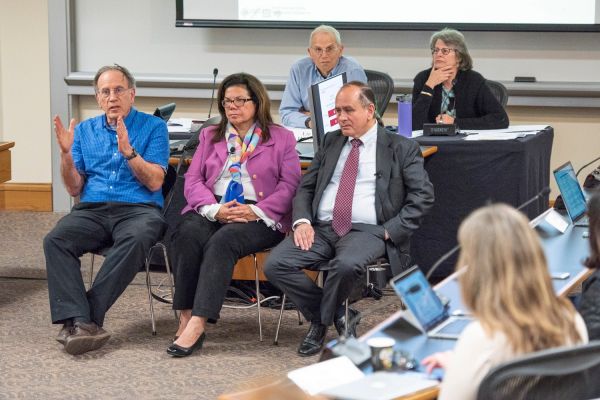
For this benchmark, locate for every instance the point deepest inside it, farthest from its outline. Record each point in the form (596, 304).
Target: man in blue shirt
(325, 60)
(116, 164)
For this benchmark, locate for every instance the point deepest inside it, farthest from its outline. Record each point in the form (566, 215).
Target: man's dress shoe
(64, 333)
(179, 351)
(314, 339)
(340, 322)
(85, 337)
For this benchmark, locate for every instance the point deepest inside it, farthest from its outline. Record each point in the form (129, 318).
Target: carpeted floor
(133, 364)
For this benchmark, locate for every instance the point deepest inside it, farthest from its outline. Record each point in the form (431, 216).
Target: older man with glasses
(116, 164)
(325, 60)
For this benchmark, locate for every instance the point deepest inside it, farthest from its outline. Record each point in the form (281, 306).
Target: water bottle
(404, 114)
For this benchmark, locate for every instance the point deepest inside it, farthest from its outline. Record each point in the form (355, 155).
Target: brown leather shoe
(85, 337)
(64, 333)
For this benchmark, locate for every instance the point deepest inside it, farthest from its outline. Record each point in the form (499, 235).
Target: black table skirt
(469, 174)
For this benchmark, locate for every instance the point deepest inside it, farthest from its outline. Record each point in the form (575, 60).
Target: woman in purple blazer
(239, 191)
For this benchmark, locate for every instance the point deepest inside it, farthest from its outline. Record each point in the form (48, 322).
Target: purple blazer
(274, 167)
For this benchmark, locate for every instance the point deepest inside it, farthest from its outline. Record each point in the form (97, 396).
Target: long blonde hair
(506, 282)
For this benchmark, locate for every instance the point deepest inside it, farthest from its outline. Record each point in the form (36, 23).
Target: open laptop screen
(419, 297)
(570, 191)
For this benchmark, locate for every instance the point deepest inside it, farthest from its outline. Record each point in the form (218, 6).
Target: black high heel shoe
(180, 351)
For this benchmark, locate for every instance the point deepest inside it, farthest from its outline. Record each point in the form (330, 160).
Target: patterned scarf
(242, 150)
(447, 96)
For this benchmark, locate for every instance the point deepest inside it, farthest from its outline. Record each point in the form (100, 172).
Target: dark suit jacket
(404, 192)
(476, 106)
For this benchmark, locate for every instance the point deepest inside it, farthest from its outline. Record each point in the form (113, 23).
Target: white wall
(157, 46)
(24, 88)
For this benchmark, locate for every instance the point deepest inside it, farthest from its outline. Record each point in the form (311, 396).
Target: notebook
(429, 313)
(572, 194)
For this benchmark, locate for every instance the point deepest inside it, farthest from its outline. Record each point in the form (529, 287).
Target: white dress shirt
(363, 203)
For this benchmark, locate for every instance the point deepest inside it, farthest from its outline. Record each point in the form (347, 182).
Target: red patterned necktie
(342, 209)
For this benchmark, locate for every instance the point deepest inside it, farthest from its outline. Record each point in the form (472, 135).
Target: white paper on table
(557, 221)
(512, 132)
(300, 133)
(325, 375)
(176, 125)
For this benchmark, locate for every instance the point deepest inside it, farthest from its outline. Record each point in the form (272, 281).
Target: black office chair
(499, 91)
(165, 112)
(195, 130)
(383, 87)
(562, 373)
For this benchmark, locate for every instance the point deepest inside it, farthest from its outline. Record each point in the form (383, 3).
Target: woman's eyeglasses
(444, 50)
(238, 101)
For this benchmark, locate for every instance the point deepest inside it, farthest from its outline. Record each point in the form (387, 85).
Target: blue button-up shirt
(303, 74)
(107, 174)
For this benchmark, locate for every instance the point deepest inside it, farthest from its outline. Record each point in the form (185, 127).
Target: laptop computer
(572, 194)
(426, 310)
(382, 385)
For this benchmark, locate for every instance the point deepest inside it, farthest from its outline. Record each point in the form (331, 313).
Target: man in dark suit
(361, 198)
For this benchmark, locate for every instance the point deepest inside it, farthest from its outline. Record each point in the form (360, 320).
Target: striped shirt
(108, 177)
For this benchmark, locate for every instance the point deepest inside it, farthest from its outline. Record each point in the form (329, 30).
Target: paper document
(512, 132)
(324, 375)
(179, 125)
(300, 133)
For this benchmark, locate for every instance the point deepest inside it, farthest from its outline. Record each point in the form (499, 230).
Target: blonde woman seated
(506, 285)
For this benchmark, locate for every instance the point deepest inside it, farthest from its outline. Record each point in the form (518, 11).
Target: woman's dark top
(476, 106)
(589, 308)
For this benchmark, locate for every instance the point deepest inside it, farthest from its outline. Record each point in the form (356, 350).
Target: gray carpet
(133, 364)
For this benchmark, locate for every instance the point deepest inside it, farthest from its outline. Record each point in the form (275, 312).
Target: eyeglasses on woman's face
(238, 101)
(444, 50)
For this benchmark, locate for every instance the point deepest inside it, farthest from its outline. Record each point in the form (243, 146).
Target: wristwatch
(307, 122)
(132, 155)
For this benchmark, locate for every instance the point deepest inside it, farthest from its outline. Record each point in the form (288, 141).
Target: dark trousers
(204, 254)
(345, 260)
(130, 230)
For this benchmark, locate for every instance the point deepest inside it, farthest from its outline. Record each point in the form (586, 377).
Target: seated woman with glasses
(450, 92)
(505, 284)
(239, 191)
